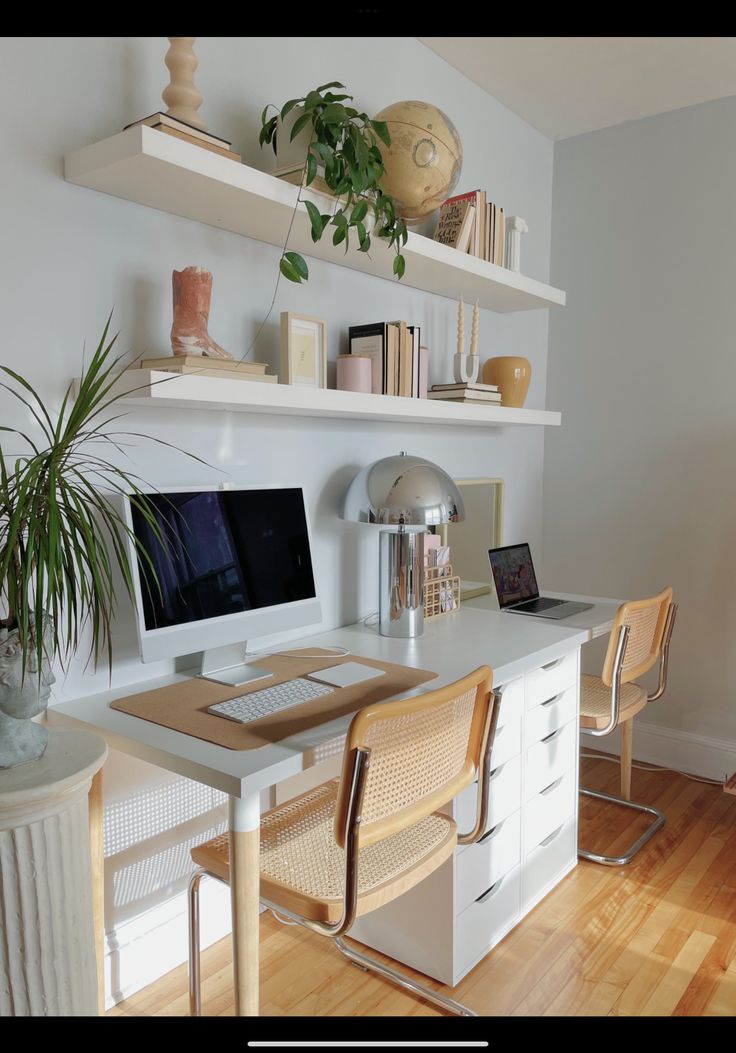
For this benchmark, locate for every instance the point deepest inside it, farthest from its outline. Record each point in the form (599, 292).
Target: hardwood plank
(657, 936)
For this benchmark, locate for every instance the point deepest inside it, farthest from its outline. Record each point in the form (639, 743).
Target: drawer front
(479, 926)
(482, 864)
(504, 797)
(551, 715)
(506, 743)
(550, 679)
(512, 702)
(547, 861)
(551, 757)
(549, 810)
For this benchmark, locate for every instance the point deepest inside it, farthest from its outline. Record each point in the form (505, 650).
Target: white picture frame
(303, 350)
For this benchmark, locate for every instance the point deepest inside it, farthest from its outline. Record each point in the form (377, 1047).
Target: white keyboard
(268, 700)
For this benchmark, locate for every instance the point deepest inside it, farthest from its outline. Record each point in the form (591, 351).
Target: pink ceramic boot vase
(192, 297)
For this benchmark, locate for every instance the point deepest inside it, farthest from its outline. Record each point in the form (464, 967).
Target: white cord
(367, 619)
(652, 767)
(335, 652)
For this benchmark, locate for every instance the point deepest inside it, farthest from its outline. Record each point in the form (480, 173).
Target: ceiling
(565, 86)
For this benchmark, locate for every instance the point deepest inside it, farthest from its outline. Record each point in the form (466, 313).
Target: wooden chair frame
(348, 816)
(613, 722)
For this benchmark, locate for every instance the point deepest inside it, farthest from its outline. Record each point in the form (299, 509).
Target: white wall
(638, 489)
(70, 254)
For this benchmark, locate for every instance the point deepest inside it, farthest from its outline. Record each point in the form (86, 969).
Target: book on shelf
(455, 225)
(394, 350)
(165, 120)
(466, 396)
(182, 363)
(177, 134)
(471, 385)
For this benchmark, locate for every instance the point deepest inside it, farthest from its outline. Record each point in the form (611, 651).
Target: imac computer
(230, 565)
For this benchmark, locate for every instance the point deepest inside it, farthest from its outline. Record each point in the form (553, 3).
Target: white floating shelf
(158, 170)
(189, 391)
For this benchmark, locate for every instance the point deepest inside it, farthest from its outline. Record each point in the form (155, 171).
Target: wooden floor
(655, 938)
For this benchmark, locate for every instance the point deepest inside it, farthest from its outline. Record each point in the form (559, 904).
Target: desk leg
(245, 821)
(97, 853)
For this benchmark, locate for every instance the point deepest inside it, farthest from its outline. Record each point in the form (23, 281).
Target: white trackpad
(346, 674)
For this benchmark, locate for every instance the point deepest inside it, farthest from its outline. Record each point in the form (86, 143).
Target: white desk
(451, 646)
(598, 621)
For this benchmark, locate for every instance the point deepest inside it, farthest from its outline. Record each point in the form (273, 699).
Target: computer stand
(226, 665)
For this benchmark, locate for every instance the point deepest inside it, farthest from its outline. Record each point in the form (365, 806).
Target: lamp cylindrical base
(401, 584)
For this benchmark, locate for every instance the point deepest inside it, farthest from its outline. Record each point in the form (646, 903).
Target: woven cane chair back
(423, 751)
(646, 621)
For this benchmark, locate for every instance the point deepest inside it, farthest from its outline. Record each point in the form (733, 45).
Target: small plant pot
(512, 375)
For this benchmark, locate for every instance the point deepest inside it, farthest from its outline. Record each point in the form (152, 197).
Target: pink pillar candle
(354, 373)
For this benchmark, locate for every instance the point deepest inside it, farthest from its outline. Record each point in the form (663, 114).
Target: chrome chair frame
(659, 817)
(335, 930)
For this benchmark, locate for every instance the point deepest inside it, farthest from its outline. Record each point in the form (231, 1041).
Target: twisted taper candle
(461, 327)
(474, 331)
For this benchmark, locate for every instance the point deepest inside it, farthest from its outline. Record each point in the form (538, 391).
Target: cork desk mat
(183, 706)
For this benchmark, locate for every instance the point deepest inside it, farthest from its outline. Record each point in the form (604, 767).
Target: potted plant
(344, 148)
(62, 544)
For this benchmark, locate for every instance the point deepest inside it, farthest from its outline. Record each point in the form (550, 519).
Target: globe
(423, 162)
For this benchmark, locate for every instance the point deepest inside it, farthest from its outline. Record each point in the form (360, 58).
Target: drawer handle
(552, 785)
(491, 891)
(554, 664)
(550, 838)
(494, 830)
(553, 735)
(496, 772)
(555, 698)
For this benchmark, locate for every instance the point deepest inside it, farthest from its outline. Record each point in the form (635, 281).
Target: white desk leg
(245, 821)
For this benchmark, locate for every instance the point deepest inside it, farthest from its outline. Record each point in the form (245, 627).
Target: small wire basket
(441, 591)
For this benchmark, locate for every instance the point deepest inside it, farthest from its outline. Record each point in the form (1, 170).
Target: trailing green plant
(345, 144)
(62, 542)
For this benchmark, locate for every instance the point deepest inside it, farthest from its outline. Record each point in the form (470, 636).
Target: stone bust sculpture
(21, 697)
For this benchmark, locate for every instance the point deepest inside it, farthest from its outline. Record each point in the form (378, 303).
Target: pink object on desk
(354, 373)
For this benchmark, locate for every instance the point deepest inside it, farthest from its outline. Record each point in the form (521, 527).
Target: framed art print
(303, 350)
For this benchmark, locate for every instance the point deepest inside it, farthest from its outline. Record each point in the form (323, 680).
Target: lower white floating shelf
(155, 387)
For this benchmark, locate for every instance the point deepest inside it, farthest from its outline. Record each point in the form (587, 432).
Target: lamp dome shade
(403, 491)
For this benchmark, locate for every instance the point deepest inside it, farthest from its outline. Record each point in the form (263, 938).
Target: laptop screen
(513, 574)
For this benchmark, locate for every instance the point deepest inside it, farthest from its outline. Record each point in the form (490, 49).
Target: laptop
(516, 585)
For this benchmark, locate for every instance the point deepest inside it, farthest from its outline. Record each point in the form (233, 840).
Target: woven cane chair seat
(595, 702)
(302, 867)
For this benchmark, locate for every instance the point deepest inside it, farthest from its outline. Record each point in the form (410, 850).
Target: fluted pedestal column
(47, 941)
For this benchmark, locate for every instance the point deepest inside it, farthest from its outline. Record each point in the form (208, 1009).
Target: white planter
(47, 951)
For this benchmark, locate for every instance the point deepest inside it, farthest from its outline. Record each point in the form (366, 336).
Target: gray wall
(70, 254)
(638, 488)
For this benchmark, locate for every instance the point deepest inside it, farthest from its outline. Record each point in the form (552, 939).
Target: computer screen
(233, 564)
(513, 574)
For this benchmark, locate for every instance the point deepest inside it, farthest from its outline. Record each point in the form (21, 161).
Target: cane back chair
(640, 637)
(355, 843)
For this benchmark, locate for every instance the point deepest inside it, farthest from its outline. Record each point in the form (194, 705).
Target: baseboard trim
(672, 748)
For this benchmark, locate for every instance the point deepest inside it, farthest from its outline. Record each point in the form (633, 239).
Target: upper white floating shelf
(150, 168)
(145, 387)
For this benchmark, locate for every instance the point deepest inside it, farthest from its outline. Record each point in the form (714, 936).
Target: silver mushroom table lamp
(403, 495)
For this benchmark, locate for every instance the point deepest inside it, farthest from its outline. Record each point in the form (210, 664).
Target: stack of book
(474, 392)
(224, 368)
(162, 122)
(394, 350)
(471, 223)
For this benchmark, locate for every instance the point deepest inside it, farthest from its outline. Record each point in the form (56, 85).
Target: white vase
(22, 696)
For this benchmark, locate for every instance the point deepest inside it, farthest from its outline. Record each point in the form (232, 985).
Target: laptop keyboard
(542, 604)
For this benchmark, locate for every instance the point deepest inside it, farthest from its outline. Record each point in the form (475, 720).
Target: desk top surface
(451, 646)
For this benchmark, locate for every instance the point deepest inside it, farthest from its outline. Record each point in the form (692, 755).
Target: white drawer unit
(549, 809)
(445, 925)
(550, 679)
(482, 864)
(551, 757)
(546, 718)
(504, 797)
(481, 925)
(548, 863)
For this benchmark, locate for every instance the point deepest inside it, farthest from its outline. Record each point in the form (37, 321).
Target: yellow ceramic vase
(511, 374)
